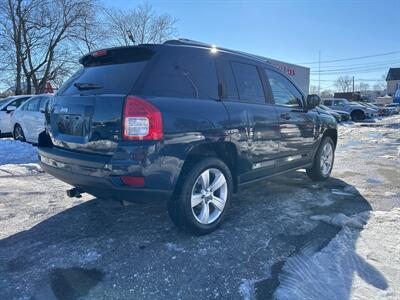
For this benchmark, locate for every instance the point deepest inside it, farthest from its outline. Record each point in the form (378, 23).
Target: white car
(28, 120)
(7, 106)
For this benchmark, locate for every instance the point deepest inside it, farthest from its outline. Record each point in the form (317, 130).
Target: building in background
(393, 81)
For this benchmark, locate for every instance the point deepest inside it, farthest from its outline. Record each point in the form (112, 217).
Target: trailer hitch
(74, 193)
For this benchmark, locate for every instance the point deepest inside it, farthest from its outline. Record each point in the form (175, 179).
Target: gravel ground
(55, 247)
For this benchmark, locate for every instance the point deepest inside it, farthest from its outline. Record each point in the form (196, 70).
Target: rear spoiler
(118, 55)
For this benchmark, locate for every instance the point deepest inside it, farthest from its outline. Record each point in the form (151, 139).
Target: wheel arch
(226, 151)
(332, 133)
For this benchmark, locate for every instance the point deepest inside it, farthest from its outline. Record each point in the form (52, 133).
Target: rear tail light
(141, 120)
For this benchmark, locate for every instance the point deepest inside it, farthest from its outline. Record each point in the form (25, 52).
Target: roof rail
(183, 41)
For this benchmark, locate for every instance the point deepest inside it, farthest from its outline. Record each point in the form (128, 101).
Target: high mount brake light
(99, 53)
(141, 120)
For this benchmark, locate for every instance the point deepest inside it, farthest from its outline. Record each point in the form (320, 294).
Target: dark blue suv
(182, 121)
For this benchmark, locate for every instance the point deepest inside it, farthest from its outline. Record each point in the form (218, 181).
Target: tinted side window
(328, 102)
(248, 82)
(17, 102)
(183, 74)
(284, 92)
(338, 103)
(33, 105)
(230, 88)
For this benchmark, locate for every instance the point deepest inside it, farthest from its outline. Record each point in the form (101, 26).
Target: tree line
(42, 40)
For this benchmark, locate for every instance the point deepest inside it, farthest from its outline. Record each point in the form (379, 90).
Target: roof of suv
(182, 43)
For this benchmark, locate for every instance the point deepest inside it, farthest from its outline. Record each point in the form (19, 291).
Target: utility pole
(319, 72)
(353, 85)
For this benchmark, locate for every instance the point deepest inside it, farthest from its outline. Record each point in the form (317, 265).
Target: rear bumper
(96, 175)
(106, 187)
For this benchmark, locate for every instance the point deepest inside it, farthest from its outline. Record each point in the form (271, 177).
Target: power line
(352, 58)
(368, 64)
(326, 71)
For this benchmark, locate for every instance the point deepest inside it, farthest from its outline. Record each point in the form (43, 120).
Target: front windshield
(4, 101)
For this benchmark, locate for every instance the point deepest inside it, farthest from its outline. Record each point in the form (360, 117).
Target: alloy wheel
(326, 159)
(209, 195)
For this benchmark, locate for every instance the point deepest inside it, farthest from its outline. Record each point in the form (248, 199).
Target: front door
(5, 116)
(297, 126)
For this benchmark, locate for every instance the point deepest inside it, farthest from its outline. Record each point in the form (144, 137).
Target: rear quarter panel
(187, 124)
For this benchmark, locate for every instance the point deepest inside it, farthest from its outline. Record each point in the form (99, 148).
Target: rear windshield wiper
(86, 86)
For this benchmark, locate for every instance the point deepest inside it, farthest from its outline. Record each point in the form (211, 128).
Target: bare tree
(41, 40)
(363, 87)
(138, 26)
(344, 83)
(313, 89)
(11, 37)
(326, 94)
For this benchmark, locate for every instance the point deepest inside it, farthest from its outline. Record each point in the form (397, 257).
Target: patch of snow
(341, 220)
(16, 152)
(374, 180)
(90, 256)
(340, 192)
(355, 264)
(20, 169)
(246, 289)
(174, 247)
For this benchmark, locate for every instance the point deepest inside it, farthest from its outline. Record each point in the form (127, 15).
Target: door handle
(285, 116)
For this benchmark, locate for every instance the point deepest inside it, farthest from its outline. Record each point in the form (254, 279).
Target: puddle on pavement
(72, 283)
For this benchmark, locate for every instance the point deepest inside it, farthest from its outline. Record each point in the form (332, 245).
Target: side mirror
(313, 101)
(10, 108)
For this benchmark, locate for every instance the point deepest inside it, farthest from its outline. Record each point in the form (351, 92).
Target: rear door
(29, 119)
(86, 113)
(254, 123)
(296, 124)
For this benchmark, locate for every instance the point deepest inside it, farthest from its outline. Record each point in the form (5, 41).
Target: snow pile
(16, 152)
(18, 159)
(20, 169)
(355, 264)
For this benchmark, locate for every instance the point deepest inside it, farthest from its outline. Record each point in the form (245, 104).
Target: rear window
(113, 71)
(108, 79)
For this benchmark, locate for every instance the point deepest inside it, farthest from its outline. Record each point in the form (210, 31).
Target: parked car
(322, 109)
(7, 106)
(28, 120)
(383, 110)
(357, 112)
(396, 98)
(184, 122)
(371, 112)
(339, 115)
(395, 107)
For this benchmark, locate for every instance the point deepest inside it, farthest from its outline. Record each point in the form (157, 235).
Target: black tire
(18, 133)
(357, 115)
(179, 206)
(316, 171)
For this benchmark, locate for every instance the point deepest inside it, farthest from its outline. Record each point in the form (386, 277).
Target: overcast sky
(295, 31)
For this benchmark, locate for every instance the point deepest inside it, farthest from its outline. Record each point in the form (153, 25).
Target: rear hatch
(86, 113)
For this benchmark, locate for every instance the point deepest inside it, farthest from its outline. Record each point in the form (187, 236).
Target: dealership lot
(273, 241)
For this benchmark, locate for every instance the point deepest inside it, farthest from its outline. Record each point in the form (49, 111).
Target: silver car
(357, 111)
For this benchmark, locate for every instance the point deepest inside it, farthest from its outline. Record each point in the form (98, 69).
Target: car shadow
(99, 249)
